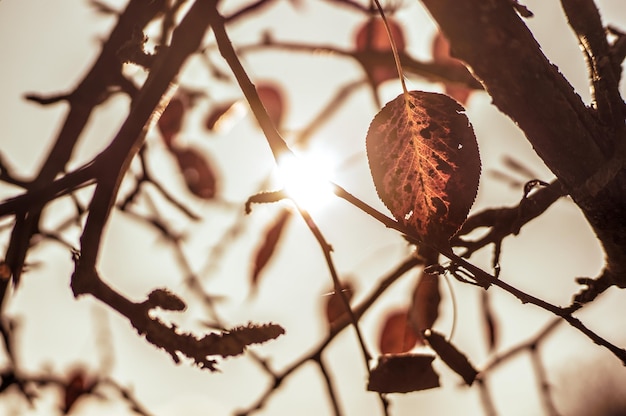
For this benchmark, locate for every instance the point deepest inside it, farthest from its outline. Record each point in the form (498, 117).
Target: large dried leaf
(403, 373)
(425, 164)
(398, 335)
(455, 359)
(424, 310)
(269, 244)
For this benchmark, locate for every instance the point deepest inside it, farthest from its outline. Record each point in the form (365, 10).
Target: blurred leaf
(403, 374)
(424, 161)
(267, 248)
(78, 385)
(198, 174)
(489, 323)
(398, 335)
(103, 8)
(441, 55)
(171, 121)
(272, 99)
(424, 310)
(455, 359)
(518, 167)
(222, 117)
(372, 37)
(335, 308)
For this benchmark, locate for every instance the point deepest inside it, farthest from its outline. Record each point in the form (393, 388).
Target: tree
(233, 201)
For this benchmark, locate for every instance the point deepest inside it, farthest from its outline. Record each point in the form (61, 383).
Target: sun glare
(306, 177)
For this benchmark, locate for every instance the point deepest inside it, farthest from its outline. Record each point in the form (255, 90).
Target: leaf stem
(394, 50)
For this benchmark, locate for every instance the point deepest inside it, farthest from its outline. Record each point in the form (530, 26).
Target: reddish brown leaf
(272, 99)
(198, 174)
(455, 359)
(424, 161)
(372, 37)
(403, 374)
(171, 121)
(335, 307)
(424, 310)
(269, 244)
(398, 335)
(441, 54)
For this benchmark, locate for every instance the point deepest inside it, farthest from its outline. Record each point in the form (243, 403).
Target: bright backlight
(306, 178)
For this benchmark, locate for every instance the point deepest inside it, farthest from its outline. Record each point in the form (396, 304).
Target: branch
(569, 137)
(483, 278)
(338, 326)
(584, 18)
(105, 72)
(114, 161)
(507, 221)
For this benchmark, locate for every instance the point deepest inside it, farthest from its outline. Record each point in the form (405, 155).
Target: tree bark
(585, 153)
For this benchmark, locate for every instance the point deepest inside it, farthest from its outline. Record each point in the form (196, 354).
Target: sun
(306, 177)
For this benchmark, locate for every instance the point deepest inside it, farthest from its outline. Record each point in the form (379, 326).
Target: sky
(47, 46)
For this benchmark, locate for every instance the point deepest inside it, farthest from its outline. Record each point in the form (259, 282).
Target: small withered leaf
(455, 359)
(335, 307)
(268, 245)
(198, 173)
(398, 335)
(424, 310)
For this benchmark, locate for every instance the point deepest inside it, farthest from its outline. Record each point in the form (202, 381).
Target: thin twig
(337, 327)
(485, 279)
(330, 389)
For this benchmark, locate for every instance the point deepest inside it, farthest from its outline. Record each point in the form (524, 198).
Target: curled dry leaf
(171, 121)
(424, 161)
(372, 37)
(197, 172)
(398, 335)
(335, 307)
(455, 359)
(403, 373)
(424, 310)
(269, 244)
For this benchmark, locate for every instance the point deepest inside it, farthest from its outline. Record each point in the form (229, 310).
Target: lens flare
(306, 178)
